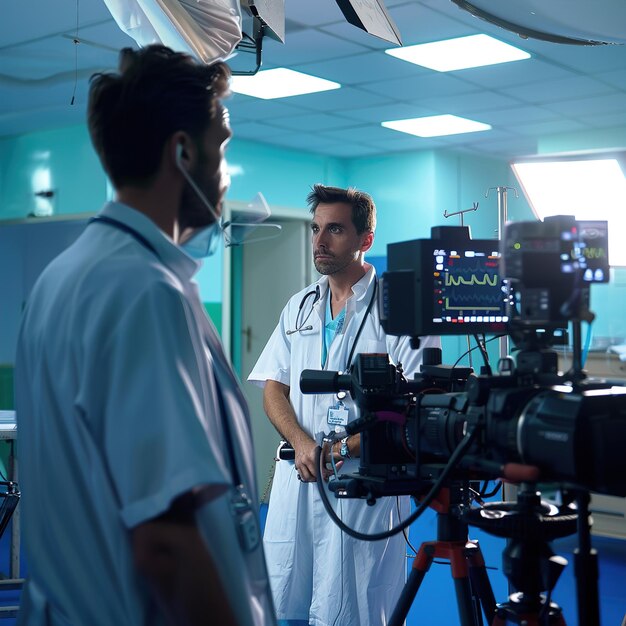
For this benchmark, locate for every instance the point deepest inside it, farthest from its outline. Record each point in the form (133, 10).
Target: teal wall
(284, 176)
(61, 160)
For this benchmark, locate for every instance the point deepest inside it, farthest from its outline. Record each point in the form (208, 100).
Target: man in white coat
(136, 461)
(319, 575)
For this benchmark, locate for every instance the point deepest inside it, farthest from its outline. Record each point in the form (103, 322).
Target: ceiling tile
(513, 74)
(509, 117)
(617, 78)
(254, 130)
(606, 120)
(385, 112)
(55, 55)
(613, 103)
(338, 100)
(320, 122)
(564, 88)
(548, 128)
(320, 144)
(469, 102)
(420, 24)
(403, 142)
(581, 58)
(256, 109)
(36, 20)
(421, 86)
(362, 68)
(307, 46)
(363, 134)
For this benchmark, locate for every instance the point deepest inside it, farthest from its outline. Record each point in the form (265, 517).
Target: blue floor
(435, 602)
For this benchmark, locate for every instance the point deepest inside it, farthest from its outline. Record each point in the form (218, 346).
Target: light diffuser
(588, 188)
(280, 83)
(460, 53)
(436, 125)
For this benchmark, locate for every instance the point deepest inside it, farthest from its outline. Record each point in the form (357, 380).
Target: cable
(475, 348)
(341, 566)
(490, 494)
(453, 461)
(405, 533)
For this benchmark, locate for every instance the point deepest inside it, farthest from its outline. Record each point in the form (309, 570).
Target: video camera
(568, 429)
(529, 423)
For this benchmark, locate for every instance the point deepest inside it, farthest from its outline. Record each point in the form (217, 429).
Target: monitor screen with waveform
(448, 285)
(467, 288)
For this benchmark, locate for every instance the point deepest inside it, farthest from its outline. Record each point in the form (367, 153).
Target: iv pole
(502, 219)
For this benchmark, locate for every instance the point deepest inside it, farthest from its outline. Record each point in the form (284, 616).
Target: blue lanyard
(136, 235)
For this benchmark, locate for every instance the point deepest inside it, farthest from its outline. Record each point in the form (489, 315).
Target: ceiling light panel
(280, 83)
(436, 126)
(459, 53)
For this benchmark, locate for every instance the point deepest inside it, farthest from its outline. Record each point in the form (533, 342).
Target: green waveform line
(473, 280)
(470, 307)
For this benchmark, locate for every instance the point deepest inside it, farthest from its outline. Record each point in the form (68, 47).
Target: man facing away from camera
(139, 501)
(318, 574)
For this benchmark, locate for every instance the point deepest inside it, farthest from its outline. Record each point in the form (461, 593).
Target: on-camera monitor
(467, 288)
(443, 286)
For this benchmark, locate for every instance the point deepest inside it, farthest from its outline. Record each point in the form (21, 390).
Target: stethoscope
(300, 325)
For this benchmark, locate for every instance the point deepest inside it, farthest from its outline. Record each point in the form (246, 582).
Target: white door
(272, 271)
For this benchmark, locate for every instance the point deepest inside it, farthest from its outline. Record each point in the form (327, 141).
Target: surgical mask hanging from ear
(205, 242)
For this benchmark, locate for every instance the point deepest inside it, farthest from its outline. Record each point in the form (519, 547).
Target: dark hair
(156, 93)
(363, 207)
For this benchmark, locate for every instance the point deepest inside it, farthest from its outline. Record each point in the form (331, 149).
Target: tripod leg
(421, 565)
(480, 581)
(469, 612)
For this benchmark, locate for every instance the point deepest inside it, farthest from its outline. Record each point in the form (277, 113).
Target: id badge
(338, 414)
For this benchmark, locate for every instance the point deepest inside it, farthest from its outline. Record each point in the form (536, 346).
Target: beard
(194, 212)
(332, 264)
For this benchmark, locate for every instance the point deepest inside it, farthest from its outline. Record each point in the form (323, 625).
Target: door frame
(277, 212)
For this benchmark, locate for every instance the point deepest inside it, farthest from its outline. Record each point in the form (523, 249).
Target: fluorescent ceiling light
(436, 126)
(280, 83)
(460, 53)
(589, 188)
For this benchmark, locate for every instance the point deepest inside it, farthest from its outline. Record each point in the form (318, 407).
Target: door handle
(248, 334)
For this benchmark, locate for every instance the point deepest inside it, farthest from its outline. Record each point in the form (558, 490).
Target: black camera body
(410, 429)
(557, 428)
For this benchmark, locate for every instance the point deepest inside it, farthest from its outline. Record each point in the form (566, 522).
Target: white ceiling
(561, 89)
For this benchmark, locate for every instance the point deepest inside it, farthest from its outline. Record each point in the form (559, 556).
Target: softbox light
(271, 14)
(372, 17)
(206, 29)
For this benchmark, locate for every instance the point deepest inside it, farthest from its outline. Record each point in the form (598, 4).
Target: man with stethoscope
(319, 575)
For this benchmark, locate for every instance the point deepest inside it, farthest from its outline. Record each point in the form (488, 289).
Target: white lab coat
(316, 571)
(107, 443)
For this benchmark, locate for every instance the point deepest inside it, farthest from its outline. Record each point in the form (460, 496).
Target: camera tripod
(471, 583)
(528, 562)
